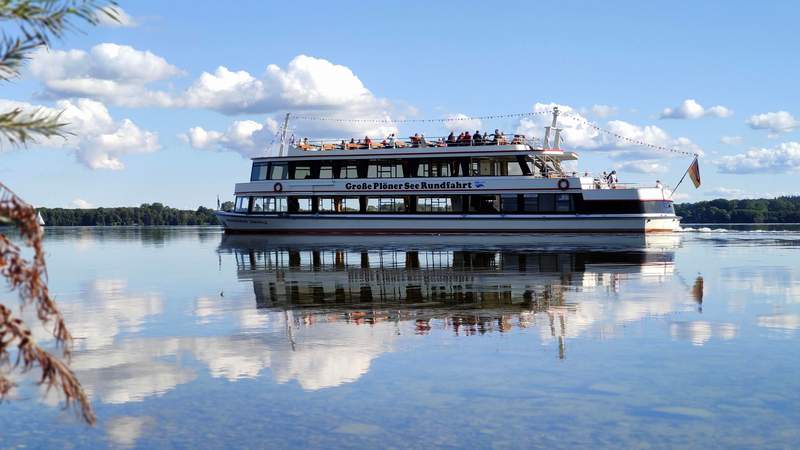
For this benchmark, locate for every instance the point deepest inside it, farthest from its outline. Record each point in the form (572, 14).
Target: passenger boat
(497, 185)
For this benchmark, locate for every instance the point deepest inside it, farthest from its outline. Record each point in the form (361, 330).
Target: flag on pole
(694, 173)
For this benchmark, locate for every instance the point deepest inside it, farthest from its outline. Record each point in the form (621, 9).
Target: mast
(283, 134)
(553, 127)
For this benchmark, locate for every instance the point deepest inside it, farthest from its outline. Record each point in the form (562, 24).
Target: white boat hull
(415, 224)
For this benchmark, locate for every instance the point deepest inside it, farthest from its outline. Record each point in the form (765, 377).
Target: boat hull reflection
(416, 274)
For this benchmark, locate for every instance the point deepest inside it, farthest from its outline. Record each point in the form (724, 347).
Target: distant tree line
(146, 214)
(776, 210)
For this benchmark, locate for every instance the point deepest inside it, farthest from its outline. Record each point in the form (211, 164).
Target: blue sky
(173, 126)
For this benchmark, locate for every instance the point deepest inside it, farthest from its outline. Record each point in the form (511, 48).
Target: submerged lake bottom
(189, 338)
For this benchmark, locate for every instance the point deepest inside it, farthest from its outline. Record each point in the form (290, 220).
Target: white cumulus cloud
(98, 141)
(690, 109)
(732, 140)
(81, 204)
(115, 74)
(307, 83)
(783, 158)
(776, 122)
(603, 111)
(246, 137)
(648, 166)
(458, 123)
(578, 134)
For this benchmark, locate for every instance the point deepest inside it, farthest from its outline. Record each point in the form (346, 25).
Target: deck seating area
(416, 141)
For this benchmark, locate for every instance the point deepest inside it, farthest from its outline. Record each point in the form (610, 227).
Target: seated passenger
(367, 142)
(392, 140)
(415, 140)
(343, 145)
(477, 139)
(441, 142)
(451, 139)
(385, 143)
(422, 141)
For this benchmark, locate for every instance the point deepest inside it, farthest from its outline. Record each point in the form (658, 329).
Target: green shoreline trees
(145, 215)
(777, 210)
(762, 210)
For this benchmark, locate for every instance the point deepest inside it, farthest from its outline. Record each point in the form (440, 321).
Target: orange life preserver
(277, 187)
(563, 184)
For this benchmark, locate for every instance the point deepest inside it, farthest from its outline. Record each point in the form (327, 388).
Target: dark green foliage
(153, 214)
(762, 210)
(227, 206)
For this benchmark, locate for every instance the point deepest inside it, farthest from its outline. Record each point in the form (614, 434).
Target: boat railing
(411, 142)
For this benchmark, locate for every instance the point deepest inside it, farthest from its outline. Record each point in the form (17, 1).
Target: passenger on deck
(451, 138)
(343, 145)
(441, 142)
(367, 141)
(477, 139)
(385, 143)
(658, 184)
(392, 140)
(415, 140)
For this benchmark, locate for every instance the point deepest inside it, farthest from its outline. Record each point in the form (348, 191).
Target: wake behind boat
(481, 184)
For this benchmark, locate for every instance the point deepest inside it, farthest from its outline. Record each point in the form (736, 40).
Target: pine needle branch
(20, 127)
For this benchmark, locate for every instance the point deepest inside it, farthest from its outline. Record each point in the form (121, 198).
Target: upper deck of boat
(304, 150)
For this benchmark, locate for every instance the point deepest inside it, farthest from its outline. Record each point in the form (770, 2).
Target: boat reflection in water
(467, 284)
(319, 311)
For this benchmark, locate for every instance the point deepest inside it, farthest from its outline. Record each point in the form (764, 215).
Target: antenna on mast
(553, 127)
(283, 134)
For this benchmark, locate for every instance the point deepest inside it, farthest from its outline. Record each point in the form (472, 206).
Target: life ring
(277, 187)
(563, 184)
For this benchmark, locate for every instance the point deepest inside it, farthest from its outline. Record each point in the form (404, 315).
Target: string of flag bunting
(499, 116)
(441, 120)
(627, 139)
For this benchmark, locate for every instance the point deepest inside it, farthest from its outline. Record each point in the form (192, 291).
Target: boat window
(547, 202)
(339, 204)
(326, 204)
(242, 204)
(349, 204)
(484, 203)
(424, 169)
(435, 168)
(385, 170)
(302, 172)
(513, 168)
(385, 204)
(508, 203)
(348, 171)
(531, 203)
(303, 205)
(564, 203)
(269, 204)
(326, 172)
(434, 204)
(258, 204)
(260, 171)
(278, 171)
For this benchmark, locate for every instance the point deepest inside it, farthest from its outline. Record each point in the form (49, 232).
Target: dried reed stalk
(30, 279)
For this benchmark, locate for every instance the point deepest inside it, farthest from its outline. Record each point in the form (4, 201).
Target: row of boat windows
(409, 204)
(406, 168)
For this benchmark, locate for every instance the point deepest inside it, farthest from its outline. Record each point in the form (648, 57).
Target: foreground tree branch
(29, 278)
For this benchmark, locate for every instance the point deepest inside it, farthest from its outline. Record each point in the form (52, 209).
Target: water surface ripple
(189, 338)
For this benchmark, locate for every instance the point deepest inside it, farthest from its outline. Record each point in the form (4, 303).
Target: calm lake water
(188, 338)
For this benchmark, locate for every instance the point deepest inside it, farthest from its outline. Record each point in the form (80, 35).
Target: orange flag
(694, 173)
